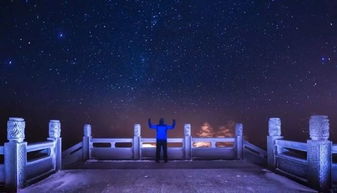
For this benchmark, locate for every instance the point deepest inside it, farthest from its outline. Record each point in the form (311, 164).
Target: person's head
(161, 121)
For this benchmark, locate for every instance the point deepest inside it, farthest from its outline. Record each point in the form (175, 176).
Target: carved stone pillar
(15, 153)
(319, 153)
(137, 154)
(54, 129)
(86, 147)
(274, 130)
(187, 142)
(239, 140)
(55, 135)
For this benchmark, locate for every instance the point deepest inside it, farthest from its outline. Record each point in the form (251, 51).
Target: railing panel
(111, 140)
(254, 154)
(300, 146)
(253, 157)
(72, 155)
(169, 140)
(173, 153)
(72, 149)
(40, 146)
(37, 168)
(111, 153)
(291, 165)
(2, 173)
(259, 151)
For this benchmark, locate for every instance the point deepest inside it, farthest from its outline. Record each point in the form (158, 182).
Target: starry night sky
(115, 63)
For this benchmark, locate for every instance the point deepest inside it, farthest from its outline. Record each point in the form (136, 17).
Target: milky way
(115, 63)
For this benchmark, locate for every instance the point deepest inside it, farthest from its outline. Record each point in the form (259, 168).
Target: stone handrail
(111, 140)
(300, 146)
(259, 151)
(39, 146)
(148, 140)
(213, 139)
(72, 155)
(72, 149)
(254, 154)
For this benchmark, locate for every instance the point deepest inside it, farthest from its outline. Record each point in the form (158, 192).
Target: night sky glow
(115, 63)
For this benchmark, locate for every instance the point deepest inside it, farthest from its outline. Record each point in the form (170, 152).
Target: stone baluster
(274, 130)
(187, 142)
(239, 140)
(15, 151)
(137, 145)
(55, 135)
(86, 142)
(319, 153)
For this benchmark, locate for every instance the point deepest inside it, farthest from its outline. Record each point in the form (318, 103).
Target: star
(60, 35)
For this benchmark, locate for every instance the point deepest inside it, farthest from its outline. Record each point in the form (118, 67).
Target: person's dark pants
(161, 144)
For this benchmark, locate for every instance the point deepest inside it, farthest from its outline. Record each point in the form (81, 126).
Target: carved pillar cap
(54, 128)
(16, 129)
(137, 130)
(274, 126)
(238, 129)
(87, 130)
(187, 129)
(319, 127)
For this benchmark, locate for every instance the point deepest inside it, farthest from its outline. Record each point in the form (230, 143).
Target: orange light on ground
(146, 145)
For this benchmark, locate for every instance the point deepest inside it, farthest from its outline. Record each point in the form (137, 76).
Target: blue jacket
(161, 129)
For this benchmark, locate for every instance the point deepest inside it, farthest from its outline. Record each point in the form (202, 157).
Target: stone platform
(174, 176)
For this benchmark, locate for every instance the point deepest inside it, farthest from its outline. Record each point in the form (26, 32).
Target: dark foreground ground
(175, 176)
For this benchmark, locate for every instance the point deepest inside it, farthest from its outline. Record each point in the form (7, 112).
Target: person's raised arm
(173, 124)
(150, 124)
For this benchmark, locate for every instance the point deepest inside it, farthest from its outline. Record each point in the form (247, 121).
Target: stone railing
(72, 155)
(291, 158)
(254, 154)
(215, 152)
(309, 162)
(25, 163)
(134, 148)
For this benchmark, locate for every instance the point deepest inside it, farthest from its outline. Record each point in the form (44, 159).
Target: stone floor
(175, 176)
